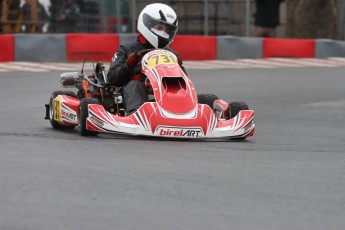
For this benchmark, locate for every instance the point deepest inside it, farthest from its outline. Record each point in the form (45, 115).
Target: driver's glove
(134, 58)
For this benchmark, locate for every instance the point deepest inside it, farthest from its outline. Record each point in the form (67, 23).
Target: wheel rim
(51, 110)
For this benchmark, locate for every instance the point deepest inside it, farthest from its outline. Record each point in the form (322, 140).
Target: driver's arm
(118, 74)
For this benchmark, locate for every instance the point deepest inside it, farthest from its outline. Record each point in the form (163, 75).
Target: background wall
(101, 47)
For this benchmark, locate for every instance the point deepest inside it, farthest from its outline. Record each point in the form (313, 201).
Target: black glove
(134, 58)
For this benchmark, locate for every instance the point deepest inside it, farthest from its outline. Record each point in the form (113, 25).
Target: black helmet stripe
(163, 18)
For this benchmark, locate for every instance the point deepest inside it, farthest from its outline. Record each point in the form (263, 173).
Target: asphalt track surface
(290, 175)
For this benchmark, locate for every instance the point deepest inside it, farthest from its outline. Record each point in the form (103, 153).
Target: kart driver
(157, 26)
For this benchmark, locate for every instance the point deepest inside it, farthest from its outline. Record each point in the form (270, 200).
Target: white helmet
(158, 24)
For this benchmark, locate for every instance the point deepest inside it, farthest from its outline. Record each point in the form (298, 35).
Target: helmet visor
(160, 27)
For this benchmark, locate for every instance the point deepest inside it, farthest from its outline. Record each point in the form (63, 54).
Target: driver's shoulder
(133, 47)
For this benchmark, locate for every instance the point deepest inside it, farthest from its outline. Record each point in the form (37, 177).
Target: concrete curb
(231, 47)
(329, 48)
(40, 47)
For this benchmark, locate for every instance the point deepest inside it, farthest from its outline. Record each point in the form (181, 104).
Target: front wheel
(53, 112)
(83, 114)
(236, 107)
(207, 99)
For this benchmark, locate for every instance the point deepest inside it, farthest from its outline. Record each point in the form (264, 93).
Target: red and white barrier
(101, 47)
(7, 48)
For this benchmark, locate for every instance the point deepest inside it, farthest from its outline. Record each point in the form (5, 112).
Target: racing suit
(135, 92)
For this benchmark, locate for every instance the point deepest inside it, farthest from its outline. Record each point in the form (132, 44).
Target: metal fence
(198, 17)
(208, 17)
(341, 13)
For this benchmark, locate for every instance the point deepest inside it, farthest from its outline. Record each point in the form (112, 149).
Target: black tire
(83, 114)
(236, 107)
(54, 123)
(207, 99)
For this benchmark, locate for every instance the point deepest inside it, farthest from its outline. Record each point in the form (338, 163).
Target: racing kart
(174, 109)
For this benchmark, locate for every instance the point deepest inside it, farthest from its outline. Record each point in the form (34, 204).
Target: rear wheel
(83, 114)
(207, 99)
(52, 111)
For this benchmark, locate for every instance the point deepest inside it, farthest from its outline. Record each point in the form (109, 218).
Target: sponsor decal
(97, 121)
(170, 16)
(113, 59)
(57, 109)
(248, 126)
(68, 115)
(179, 132)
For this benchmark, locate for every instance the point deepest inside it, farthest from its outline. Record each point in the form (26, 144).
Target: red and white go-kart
(174, 109)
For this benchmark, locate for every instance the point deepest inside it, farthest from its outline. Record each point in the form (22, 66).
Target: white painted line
(210, 64)
(43, 66)
(319, 62)
(287, 62)
(217, 64)
(237, 64)
(255, 63)
(12, 66)
(338, 61)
